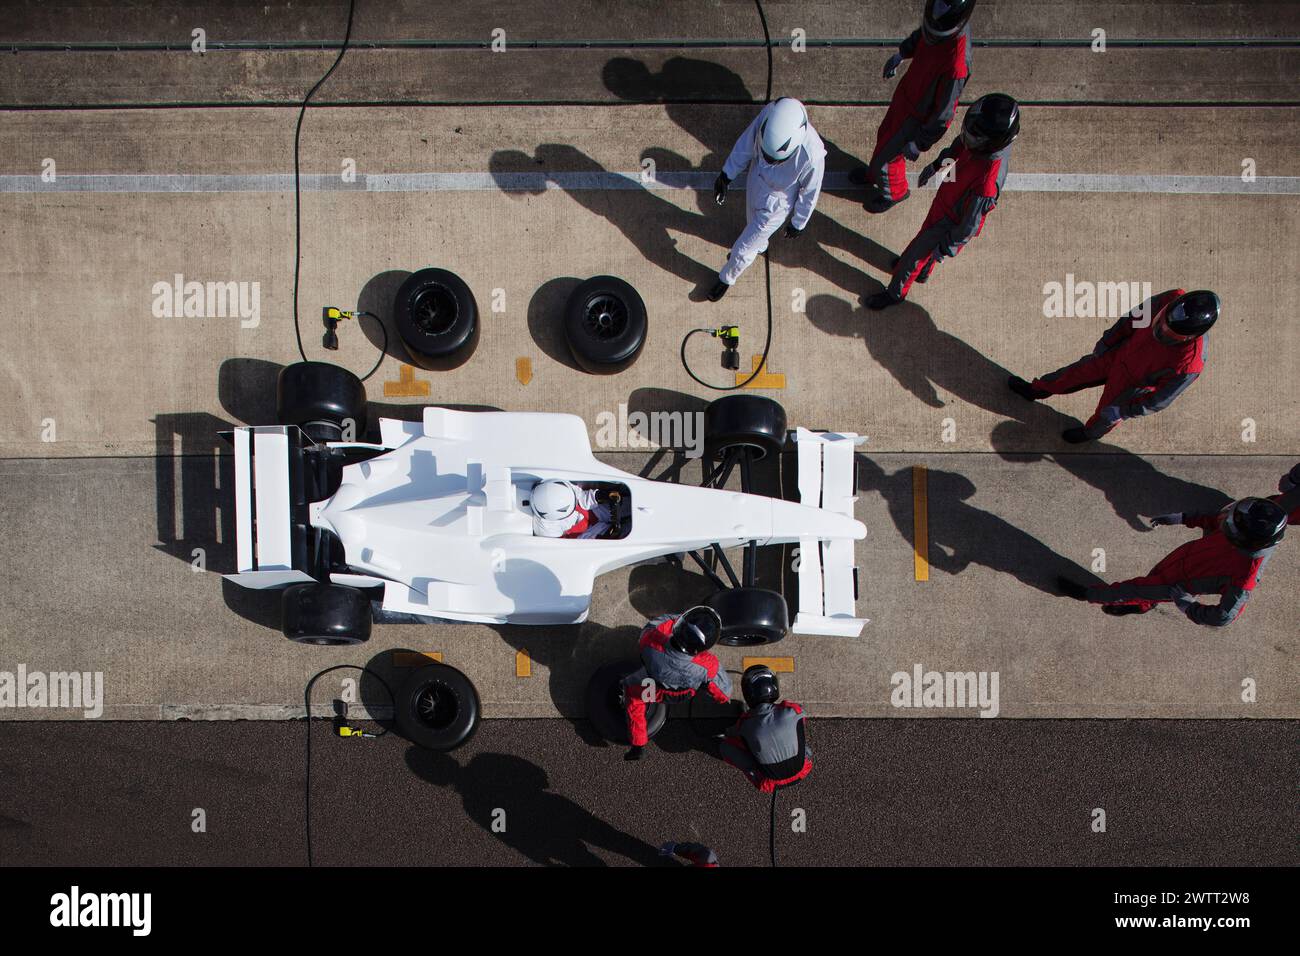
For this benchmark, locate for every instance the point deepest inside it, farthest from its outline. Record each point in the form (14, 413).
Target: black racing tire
(746, 421)
(605, 325)
(437, 319)
(437, 708)
(325, 614)
(605, 704)
(751, 616)
(321, 399)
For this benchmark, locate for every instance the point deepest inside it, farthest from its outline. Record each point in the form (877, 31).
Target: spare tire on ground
(605, 325)
(605, 703)
(321, 399)
(751, 616)
(437, 318)
(437, 708)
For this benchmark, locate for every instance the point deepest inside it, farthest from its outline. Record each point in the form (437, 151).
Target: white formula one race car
(436, 514)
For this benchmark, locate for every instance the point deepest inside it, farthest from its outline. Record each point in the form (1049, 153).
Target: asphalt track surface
(938, 792)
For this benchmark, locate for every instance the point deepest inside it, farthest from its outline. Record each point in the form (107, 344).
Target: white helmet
(784, 130)
(554, 499)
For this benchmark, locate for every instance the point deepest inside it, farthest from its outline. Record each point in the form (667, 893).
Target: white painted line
(265, 711)
(570, 181)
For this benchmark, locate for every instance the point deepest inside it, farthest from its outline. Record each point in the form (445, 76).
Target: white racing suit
(772, 192)
(589, 520)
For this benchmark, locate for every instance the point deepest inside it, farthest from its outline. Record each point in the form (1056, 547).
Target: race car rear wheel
(605, 707)
(605, 325)
(321, 399)
(751, 616)
(437, 708)
(325, 614)
(437, 319)
(744, 421)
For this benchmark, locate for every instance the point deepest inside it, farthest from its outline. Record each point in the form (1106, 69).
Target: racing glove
(720, 188)
(1182, 599)
(1174, 517)
(912, 151)
(892, 65)
(927, 173)
(1110, 416)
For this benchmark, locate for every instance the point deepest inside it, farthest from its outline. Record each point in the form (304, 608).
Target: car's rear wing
(270, 511)
(828, 575)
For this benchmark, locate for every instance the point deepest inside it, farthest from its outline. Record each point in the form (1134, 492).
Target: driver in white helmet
(563, 510)
(786, 160)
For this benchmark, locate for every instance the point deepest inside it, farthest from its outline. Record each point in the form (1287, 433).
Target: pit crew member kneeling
(675, 662)
(768, 743)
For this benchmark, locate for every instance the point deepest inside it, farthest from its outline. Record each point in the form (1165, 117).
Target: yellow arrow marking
(763, 379)
(920, 524)
(524, 370)
(523, 664)
(407, 385)
(778, 665)
(415, 658)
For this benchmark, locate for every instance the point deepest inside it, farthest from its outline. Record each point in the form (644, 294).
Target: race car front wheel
(437, 319)
(750, 422)
(437, 708)
(321, 399)
(751, 616)
(325, 614)
(605, 708)
(605, 325)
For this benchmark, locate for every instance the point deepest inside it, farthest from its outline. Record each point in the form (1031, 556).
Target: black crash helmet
(1254, 524)
(696, 630)
(1192, 313)
(758, 685)
(945, 18)
(991, 123)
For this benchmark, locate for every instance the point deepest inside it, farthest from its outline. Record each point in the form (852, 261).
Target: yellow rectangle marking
(920, 524)
(762, 377)
(523, 664)
(407, 385)
(778, 665)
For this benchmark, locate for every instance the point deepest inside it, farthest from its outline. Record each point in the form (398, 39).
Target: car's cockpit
(611, 511)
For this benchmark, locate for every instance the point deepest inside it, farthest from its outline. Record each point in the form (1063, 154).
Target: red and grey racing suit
(967, 195)
(1210, 565)
(1138, 373)
(668, 674)
(769, 745)
(922, 107)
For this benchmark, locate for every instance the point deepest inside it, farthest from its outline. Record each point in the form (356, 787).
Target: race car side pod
(341, 728)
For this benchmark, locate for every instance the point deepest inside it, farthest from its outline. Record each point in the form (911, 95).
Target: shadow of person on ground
(542, 825)
(644, 216)
(962, 534)
(936, 366)
(632, 81)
